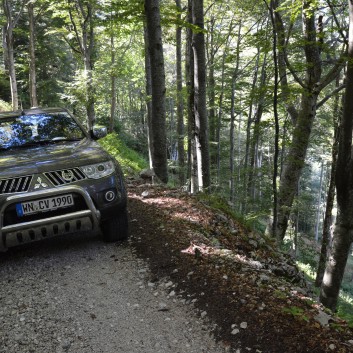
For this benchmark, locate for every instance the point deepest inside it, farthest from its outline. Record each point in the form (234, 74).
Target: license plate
(48, 204)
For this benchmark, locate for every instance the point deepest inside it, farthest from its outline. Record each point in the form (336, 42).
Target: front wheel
(116, 228)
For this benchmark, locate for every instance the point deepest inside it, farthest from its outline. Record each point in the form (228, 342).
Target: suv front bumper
(48, 225)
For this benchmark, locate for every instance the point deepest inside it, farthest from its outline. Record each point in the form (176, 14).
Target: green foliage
(131, 162)
(4, 106)
(345, 305)
(297, 312)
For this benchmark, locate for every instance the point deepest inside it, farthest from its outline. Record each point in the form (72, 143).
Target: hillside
(254, 297)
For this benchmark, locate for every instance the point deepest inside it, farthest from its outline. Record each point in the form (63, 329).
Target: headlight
(99, 170)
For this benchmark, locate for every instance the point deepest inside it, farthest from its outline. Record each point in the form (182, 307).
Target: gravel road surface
(78, 294)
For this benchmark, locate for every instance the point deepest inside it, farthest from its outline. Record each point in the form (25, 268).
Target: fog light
(109, 196)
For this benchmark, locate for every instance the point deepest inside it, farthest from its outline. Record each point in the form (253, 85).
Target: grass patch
(131, 162)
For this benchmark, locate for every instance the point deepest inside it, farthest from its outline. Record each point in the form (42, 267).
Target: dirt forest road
(78, 294)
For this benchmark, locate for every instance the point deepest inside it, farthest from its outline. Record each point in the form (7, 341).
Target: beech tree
(32, 56)
(158, 125)
(8, 45)
(201, 128)
(81, 18)
(180, 105)
(343, 233)
(312, 84)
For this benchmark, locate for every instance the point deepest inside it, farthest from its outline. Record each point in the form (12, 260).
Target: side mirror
(99, 132)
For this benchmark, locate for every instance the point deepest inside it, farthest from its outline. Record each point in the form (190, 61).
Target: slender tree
(189, 72)
(155, 50)
(148, 99)
(8, 44)
(180, 105)
(32, 56)
(82, 21)
(343, 233)
(326, 231)
(113, 86)
(200, 107)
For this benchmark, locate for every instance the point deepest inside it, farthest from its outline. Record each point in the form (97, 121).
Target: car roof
(31, 111)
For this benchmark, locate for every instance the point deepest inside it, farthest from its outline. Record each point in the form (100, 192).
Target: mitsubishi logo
(40, 184)
(67, 175)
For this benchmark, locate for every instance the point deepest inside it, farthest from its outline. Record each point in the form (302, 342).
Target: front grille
(65, 176)
(13, 185)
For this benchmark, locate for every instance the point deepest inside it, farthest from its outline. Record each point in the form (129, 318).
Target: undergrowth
(4, 106)
(131, 162)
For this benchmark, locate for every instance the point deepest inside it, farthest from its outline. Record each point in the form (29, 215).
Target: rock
(235, 331)
(163, 307)
(145, 193)
(244, 325)
(147, 174)
(253, 243)
(323, 318)
(169, 284)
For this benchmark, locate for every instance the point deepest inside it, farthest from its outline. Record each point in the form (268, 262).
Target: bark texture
(9, 54)
(201, 120)
(32, 57)
(343, 234)
(82, 20)
(155, 50)
(180, 105)
(189, 70)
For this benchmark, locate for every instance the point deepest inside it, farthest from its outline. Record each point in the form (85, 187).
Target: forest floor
(253, 296)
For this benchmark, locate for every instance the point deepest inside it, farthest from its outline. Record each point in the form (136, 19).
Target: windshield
(39, 128)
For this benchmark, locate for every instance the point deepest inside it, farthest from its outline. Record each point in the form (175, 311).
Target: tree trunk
(113, 86)
(304, 121)
(180, 106)
(318, 211)
(254, 148)
(211, 85)
(343, 234)
(148, 99)
(294, 163)
(155, 50)
(231, 140)
(88, 45)
(189, 72)
(275, 111)
(32, 57)
(200, 110)
(9, 41)
(341, 243)
(232, 118)
(326, 231)
(84, 33)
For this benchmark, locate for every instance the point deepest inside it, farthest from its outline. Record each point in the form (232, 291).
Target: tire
(117, 228)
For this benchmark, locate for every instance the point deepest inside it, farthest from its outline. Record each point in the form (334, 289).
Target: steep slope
(254, 296)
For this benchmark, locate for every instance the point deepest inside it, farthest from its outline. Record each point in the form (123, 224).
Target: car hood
(61, 155)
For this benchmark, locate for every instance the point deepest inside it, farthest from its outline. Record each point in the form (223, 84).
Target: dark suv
(55, 179)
